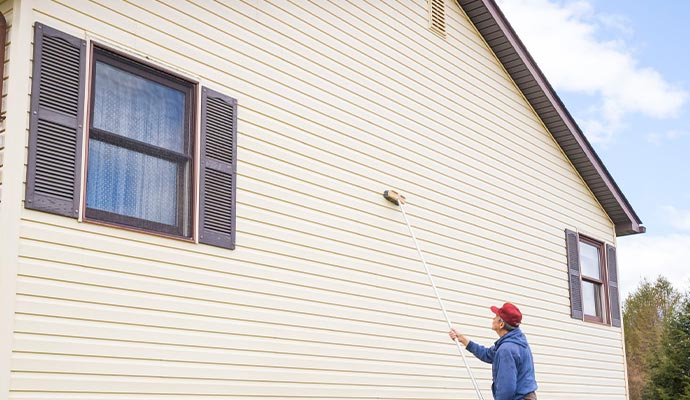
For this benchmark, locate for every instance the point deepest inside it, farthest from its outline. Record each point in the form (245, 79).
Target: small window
(140, 147)
(593, 279)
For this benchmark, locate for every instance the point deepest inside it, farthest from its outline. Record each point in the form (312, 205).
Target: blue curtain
(128, 182)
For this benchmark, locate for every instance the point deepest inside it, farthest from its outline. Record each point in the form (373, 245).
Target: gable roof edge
(497, 32)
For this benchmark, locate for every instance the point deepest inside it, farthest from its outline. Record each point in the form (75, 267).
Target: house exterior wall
(324, 295)
(6, 9)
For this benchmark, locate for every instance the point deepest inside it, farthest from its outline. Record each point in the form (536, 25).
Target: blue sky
(622, 69)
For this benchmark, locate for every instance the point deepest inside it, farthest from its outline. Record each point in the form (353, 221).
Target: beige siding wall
(6, 9)
(324, 296)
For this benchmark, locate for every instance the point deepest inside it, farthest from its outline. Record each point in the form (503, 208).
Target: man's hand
(454, 334)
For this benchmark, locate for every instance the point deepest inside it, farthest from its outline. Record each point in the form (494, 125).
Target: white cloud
(646, 256)
(679, 219)
(563, 37)
(660, 138)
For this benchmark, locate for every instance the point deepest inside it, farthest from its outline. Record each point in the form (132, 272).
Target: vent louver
(437, 17)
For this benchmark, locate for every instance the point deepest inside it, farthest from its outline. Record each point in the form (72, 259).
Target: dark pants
(530, 396)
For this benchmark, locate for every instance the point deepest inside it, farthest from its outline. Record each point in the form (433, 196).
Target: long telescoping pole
(400, 201)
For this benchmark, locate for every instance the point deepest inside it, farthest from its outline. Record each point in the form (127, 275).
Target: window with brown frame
(593, 280)
(593, 275)
(141, 143)
(140, 146)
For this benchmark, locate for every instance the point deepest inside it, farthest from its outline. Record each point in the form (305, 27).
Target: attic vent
(437, 17)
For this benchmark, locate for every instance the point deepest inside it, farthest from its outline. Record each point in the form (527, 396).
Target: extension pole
(398, 199)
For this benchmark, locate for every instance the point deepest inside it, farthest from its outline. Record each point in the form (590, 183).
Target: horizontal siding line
(416, 261)
(394, 266)
(433, 230)
(440, 132)
(229, 303)
(444, 278)
(230, 349)
(411, 257)
(541, 139)
(547, 380)
(366, 328)
(264, 250)
(277, 379)
(297, 66)
(240, 275)
(421, 214)
(120, 323)
(487, 72)
(34, 342)
(455, 292)
(449, 354)
(117, 360)
(225, 318)
(420, 315)
(274, 379)
(217, 363)
(382, 300)
(171, 335)
(499, 88)
(306, 23)
(295, 153)
(459, 29)
(272, 157)
(362, 258)
(414, 294)
(233, 274)
(442, 363)
(248, 304)
(439, 366)
(470, 34)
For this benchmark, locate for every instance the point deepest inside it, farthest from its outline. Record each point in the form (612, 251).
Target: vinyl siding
(6, 9)
(324, 296)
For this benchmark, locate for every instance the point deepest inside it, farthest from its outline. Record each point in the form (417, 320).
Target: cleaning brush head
(394, 197)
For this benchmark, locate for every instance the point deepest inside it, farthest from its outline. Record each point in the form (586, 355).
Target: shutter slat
(614, 299)
(573, 249)
(219, 158)
(57, 110)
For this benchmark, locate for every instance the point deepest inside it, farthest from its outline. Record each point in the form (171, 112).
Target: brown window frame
(59, 123)
(603, 282)
(184, 227)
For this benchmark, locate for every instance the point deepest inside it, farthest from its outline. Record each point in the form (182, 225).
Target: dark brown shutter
(572, 240)
(218, 169)
(55, 127)
(614, 299)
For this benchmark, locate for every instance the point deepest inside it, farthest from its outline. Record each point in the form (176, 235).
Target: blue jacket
(511, 365)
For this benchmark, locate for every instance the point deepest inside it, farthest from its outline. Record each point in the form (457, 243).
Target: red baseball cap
(509, 314)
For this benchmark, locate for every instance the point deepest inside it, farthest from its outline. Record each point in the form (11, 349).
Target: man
(510, 357)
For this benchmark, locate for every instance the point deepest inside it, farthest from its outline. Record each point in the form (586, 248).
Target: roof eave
(497, 32)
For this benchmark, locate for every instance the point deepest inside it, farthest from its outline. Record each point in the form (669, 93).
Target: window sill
(595, 320)
(143, 231)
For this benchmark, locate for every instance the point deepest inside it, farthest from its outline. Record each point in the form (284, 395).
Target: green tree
(670, 367)
(645, 314)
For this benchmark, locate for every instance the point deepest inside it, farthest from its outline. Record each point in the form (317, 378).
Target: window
(140, 151)
(593, 280)
(139, 170)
